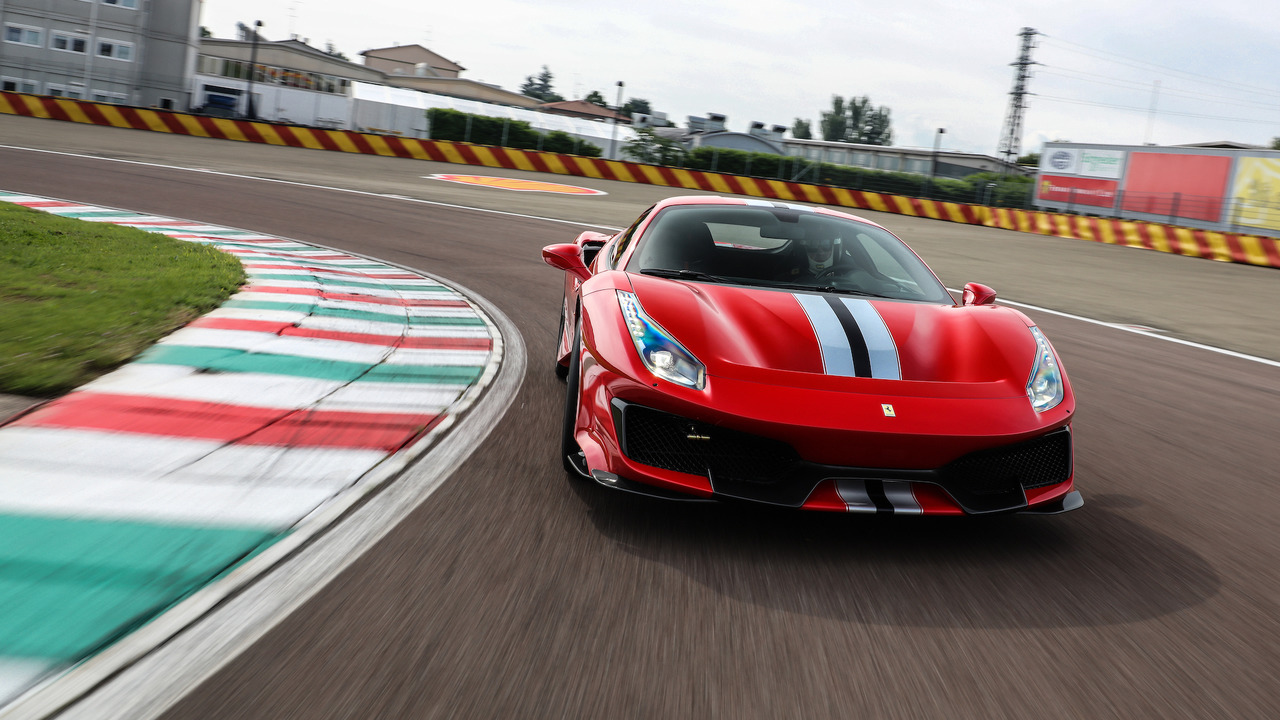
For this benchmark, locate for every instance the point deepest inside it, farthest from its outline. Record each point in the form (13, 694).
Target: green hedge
(455, 126)
(1008, 191)
(1004, 190)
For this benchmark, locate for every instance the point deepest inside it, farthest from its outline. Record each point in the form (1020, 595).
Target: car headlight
(660, 352)
(1044, 388)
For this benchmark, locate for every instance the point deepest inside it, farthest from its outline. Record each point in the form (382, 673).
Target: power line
(1158, 112)
(1148, 66)
(1138, 85)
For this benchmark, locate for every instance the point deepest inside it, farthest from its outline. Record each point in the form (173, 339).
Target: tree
(1029, 159)
(204, 32)
(876, 129)
(636, 105)
(856, 121)
(1275, 143)
(801, 130)
(540, 87)
(650, 147)
(333, 51)
(835, 121)
(595, 98)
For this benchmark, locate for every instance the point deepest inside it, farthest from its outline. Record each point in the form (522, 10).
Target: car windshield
(783, 247)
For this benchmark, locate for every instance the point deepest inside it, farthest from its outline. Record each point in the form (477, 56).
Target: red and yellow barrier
(1225, 247)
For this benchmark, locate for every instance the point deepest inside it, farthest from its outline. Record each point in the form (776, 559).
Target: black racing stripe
(875, 491)
(857, 344)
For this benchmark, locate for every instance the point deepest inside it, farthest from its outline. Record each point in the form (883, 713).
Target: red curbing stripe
(362, 144)
(325, 138)
(334, 271)
(1271, 249)
(289, 137)
(234, 424)
(55, 109)
(432, 148)
(131, 117)
(828, 195)
(1235, 248)
(538, 161)
(250, 132)
(370, 431)
(375, 299)
(211, 127)
(285, 329)
(172, 122)
(397, 146)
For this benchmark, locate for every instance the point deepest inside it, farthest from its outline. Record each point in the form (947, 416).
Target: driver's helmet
(819, 247)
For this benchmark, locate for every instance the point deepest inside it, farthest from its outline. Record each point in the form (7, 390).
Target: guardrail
(1224, 247)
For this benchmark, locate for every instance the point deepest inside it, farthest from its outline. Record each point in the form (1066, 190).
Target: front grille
(1036, 463)
(675, 443)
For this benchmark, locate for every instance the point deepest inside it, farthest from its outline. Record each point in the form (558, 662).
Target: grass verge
(78, 299)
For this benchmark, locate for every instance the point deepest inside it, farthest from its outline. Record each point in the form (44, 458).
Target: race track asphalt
(514, 592)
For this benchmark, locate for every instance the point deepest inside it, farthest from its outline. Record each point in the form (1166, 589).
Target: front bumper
(655, 445)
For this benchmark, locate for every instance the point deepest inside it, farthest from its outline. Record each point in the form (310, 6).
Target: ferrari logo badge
(888, 410)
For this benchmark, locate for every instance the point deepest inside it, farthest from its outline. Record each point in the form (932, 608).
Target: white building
(134, 52)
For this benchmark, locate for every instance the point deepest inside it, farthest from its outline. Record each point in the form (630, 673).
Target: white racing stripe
(837, 340)
(837, 357)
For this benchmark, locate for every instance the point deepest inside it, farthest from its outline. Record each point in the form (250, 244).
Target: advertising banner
(1060, 161)
(1257, 193)
(1179, 185)
(1102, 163)
(1078, 190)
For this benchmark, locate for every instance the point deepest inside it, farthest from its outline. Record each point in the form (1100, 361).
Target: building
(585, 110)
(294, 81)
(417, 68)
(950, 164)
(133, 52)
(710, 131)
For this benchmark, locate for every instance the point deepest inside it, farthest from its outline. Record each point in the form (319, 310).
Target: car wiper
(826, 289)
(682, 274)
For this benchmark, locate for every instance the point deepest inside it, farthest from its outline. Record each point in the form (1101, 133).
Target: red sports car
(803, 357)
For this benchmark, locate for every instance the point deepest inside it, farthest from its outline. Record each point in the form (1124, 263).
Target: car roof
(760, 202)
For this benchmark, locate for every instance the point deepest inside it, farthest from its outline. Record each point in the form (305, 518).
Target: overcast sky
(1209, 69)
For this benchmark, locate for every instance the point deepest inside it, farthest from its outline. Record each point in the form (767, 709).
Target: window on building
(166, 103)
(100, 96)
(121, 3)
(23, 35)
(115, 50)
(74, 92)
(11, 84)
(67, 42)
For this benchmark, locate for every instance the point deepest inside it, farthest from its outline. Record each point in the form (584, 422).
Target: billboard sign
(1060, 161)
(1078, 190)
(1179, 185)
(1257, 193)
(1102, 163)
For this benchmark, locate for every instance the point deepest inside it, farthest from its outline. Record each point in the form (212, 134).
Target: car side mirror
(978, 294)
(566, 257)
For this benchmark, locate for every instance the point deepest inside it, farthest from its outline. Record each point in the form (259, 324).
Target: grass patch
(78, 299)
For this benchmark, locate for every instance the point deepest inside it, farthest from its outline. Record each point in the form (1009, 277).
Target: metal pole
(937, 143)
(613, 139)
(250, 112)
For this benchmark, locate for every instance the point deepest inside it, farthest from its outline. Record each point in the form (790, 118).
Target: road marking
(506, 183)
